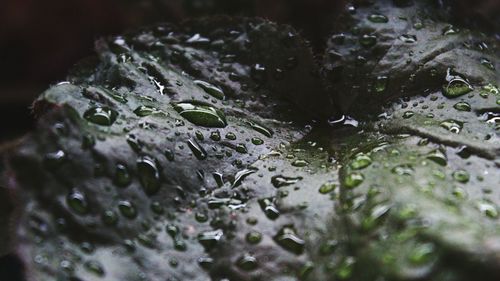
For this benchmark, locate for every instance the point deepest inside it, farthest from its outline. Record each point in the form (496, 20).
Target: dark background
(41, 40)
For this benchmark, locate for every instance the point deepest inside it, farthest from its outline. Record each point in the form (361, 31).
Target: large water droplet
(101, 115)
(201, 114)
(456, 85)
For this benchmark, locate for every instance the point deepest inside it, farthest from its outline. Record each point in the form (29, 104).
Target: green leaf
(201, 152)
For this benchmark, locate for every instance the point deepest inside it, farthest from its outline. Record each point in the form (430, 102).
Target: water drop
(451, 125)
(438, 157)
(361, 161)
(127, 209)
(201, 114)
(247, 262)
(327, 188)
(368, 40)
(253, 237)
(421, 254)
(267, 205)
(380, 84)
(378, 18)
(260, 128)
(145, 110)
(149, 175)
(403, 170)
(122, 176)
(461, 176)
(352, 180)
(288, 239)
(101, 115)
(408, 38)
(210, 238)
(279, 180)
(198, 151)
(462, 106)
(77, 201)
(210, 89)
(488, 209)
(456, 85)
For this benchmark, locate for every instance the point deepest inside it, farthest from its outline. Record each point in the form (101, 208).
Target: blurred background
(41, 40)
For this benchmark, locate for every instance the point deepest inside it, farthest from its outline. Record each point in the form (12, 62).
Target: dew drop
(101, 115)
(201, 114)
(288, 239)
(148, 174)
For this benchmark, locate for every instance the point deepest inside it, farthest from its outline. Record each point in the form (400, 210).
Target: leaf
(385, 51)
(123, 183)
(187, 152)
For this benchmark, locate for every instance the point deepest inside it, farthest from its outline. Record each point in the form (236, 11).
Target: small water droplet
(378, 18)
(279, 180)
(487, 63)
(253, 237)
(352, 180)
(267, 205)
(247, 262)
(421, 254)
(408, 38)
(127, 209)
(260, 128)
(145, 110)
(368, 40)
(361, 161)
(403, 170)
(380, 84)
(198, 151)
(462, 106)
(438, 157)
(327, 188)
(209, 239)
(461, 176)
(77, 201)
(453, 126)
(122, 176)
(300, 163)
(488, 209)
